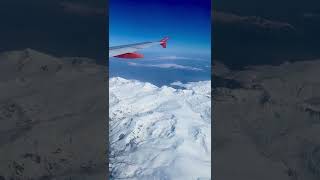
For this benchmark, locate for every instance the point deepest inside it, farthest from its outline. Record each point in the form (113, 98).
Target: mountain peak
(153, 129)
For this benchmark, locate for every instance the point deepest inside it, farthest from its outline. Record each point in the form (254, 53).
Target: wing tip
(163, 42)
(165, 39)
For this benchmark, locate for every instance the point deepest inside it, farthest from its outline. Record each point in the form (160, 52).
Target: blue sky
(186, 22)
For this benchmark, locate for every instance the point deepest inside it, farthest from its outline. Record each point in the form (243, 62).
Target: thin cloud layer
(81, 9)
(166, 66)
(311, 15)
(173, 57)
(259, 22)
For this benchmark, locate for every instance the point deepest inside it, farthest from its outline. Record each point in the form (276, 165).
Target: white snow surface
(159, 133)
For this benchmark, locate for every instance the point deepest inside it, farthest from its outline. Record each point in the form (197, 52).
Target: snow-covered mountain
(159, 132)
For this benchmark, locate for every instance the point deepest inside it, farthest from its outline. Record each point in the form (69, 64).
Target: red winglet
(163, 42)
(130, 56)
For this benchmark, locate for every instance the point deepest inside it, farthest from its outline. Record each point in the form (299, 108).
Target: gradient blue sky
(186, 22)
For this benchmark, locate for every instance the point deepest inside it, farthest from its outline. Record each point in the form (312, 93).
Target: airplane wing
(129, 51)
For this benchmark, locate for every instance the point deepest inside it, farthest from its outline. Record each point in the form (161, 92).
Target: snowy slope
(159, 132)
